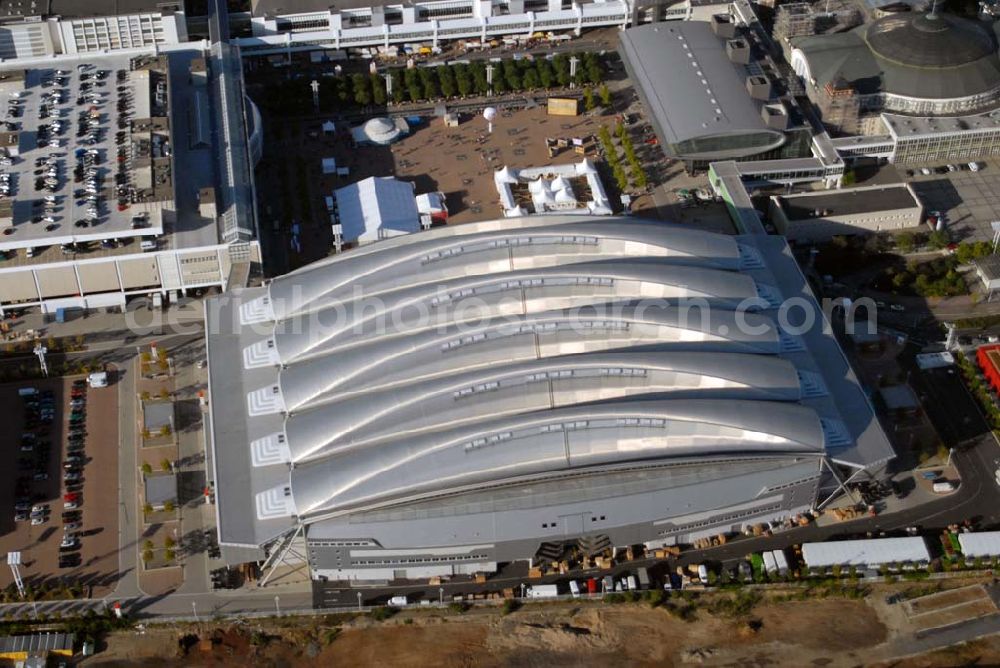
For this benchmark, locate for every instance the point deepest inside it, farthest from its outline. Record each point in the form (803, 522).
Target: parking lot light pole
(277, 606)
(441, 595)
(359, 601)
(194, 609)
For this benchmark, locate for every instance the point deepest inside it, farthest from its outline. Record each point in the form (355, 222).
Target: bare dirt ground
(832, 632)
(947, 599)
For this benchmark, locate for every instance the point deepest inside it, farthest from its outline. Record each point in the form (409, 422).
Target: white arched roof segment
(463, 397)
(474, 298)
(460, 250)
(363, 363)
(553, 442)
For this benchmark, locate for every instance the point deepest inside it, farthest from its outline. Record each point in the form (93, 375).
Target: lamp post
(359, 601)
(194, 609)
(441, 595)
(277, 606)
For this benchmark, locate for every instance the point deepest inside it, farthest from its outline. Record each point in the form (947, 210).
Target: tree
(147, 545)
(169, 542)
(848, 179)
(413, 87)
(165, 465)
(362, 87)
(546, 75)
(429, 83)
(511, 76)
(169, 506)
(147, 508)
(147, 556)
(588, 99)
(398, 86)
(379, 97)
(561, 66)
(937, 239)
(531, 81)
(146, 468)
(906, 242)
(165, 430)
(605, 95)
(463, 79)
(446, 78)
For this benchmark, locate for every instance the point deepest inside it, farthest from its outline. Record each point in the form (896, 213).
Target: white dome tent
(380, 131)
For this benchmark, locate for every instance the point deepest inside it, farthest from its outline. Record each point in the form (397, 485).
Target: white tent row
(870, 553)
(982, 544)
(551, 190)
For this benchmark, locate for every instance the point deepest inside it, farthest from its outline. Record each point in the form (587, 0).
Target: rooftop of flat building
(84, 8)
(848, 202)
(47, 221)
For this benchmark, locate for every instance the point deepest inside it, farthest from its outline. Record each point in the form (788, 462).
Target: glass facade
(950, 146)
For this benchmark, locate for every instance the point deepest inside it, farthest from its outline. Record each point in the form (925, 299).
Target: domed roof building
(932, 64)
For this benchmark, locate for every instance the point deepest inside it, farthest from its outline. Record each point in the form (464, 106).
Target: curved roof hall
(364, 380)
(926, 57)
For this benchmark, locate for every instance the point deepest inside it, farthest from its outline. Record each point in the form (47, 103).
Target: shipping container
(563, 106)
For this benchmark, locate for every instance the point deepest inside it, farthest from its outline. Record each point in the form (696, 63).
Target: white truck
(770, 565)
(543, 591)
(574, 588)
(780, 562)
(398, 602)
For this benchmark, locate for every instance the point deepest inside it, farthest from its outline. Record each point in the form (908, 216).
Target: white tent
(377, 208)
(380, 131)
(585, 166)
(505, 175)
(560, 183)
(539, 186)
(565, 196)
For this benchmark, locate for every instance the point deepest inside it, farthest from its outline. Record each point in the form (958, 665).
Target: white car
(996, 476)
(925, 171)
(974, 166)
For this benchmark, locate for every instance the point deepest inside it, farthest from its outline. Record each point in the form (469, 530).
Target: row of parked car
(76, 457)
(34, 455)
(944, 169)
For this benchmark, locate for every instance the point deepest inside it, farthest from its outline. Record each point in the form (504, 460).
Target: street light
(277, 606)
(194, 609)
(441, 595)
(359, 601)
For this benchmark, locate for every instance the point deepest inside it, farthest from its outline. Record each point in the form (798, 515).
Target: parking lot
(70, 182)
(969, 199)
(58, 496)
